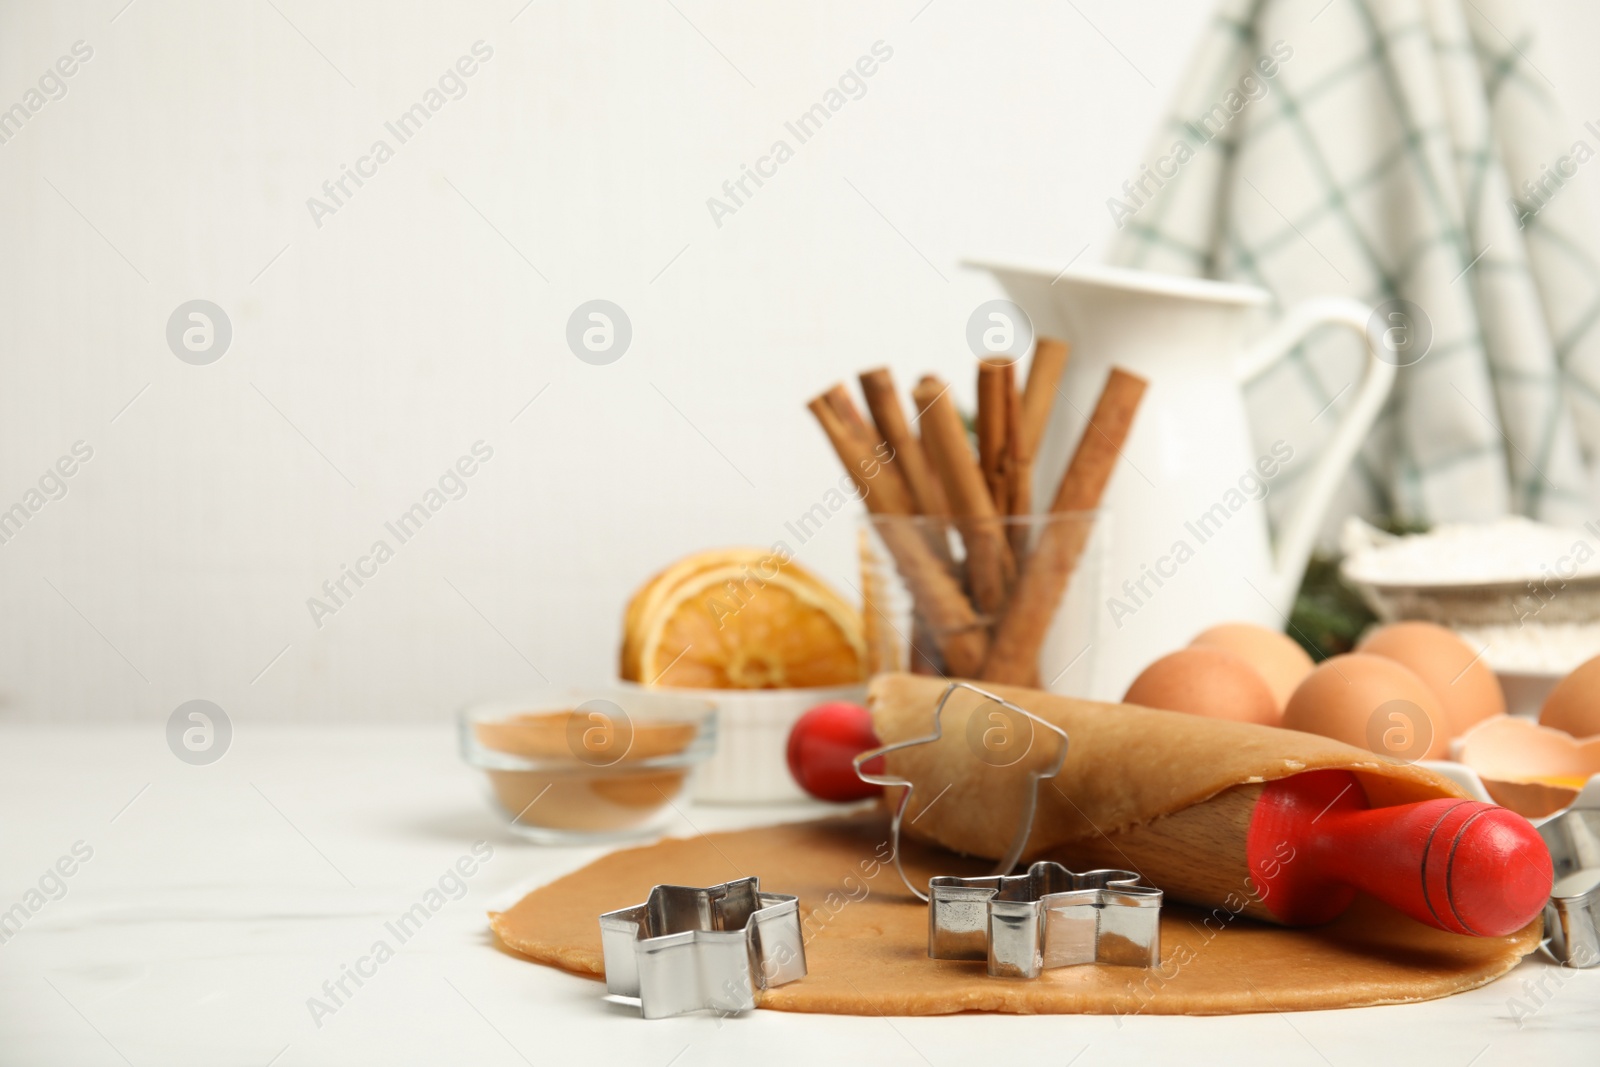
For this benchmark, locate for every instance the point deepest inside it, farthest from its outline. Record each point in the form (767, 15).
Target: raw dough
(867, 937)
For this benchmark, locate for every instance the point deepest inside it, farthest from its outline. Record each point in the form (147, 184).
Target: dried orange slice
(742, 622)
(646, 603)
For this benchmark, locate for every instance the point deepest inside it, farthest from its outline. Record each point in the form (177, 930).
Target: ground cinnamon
(565, 793)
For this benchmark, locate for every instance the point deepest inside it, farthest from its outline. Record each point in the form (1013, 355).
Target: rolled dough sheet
(867, 937)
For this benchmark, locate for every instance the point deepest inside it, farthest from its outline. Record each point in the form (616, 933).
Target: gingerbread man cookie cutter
(1019, 840)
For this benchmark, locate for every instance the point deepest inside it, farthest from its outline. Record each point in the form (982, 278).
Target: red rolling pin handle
(1457, 865)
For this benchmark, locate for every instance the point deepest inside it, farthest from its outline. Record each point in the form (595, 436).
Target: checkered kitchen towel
(1396, 150)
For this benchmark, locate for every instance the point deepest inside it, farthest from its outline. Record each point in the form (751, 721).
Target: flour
(1556, 648)
(1511, 550)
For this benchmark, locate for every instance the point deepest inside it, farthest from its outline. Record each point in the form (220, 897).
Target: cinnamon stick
(924, 649)
(996, 383)
(1033, 416)
(1014, 656)
(875, 469)
(838, 398)
(1019, 477)
(1039, 395)
(990, 566)
(884, 404)
(958, 633)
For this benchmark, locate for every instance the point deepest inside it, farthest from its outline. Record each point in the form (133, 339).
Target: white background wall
(369, 353)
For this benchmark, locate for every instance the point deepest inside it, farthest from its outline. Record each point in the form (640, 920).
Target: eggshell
(1373, 703)
(1276, 656)
(1574, 704)
(1509, 749)
(1205, 681)
(1531, 800)
(1531, 769)
(1463, 682)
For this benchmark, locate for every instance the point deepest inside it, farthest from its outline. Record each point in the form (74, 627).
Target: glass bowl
(587, 765)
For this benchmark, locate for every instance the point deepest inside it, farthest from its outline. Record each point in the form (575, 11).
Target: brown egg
(1276, 656)
(1463, 682)
(1574, 704)
(1370, 702)
(1205, 681)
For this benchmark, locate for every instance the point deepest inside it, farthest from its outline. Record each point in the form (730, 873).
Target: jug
(1189, 541)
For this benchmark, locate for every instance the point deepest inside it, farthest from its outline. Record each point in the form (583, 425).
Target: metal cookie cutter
(1572, 916)
(1025, 824)
(1050, 917)
(688, 949)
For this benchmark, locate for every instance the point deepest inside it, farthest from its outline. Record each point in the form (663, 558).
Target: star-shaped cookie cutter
(1050, 917)
(1013, 852)
(691, 949)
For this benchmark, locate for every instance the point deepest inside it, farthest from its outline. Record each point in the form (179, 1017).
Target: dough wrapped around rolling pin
(1125, 765)
(1268, 821)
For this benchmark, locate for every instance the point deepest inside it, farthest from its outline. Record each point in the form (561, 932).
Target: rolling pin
(1297, 850)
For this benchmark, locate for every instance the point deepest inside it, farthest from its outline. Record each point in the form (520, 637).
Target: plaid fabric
(1382, 162)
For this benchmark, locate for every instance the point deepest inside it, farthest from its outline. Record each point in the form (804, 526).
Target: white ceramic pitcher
(1197, 342)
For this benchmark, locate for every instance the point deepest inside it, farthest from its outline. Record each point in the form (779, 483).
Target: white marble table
(218, 900)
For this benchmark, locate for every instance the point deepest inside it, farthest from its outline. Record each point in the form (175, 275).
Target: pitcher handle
(1299, 530)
